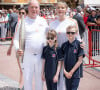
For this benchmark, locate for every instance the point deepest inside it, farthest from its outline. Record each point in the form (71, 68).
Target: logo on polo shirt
(53, 55)
(75, 50)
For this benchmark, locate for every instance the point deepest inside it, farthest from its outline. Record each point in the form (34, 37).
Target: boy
(73, 55)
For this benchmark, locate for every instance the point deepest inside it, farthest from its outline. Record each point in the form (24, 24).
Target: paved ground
(9, 72)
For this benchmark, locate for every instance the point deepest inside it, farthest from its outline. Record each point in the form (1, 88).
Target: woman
(60, 25)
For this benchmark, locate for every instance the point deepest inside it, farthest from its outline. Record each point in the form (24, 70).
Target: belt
(35, 54)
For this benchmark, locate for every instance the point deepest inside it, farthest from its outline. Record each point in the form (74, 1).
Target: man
(35, 28)
(80, 21)
(13, 18)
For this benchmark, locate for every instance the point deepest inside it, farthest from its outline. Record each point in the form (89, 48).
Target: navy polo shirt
(70, 53)
(50, 55)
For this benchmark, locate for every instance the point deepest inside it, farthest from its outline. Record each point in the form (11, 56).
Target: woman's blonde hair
(62, 2)
(52, 33)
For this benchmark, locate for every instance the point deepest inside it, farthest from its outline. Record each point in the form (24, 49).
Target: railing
(5, 31)
(94, 46)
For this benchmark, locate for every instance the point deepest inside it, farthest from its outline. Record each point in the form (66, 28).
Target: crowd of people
(54, 35)
(10, 17)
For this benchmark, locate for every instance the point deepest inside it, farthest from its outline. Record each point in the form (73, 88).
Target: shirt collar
(53, 47)
(72, 44)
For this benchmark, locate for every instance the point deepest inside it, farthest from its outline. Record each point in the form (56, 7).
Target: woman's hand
(82, 45)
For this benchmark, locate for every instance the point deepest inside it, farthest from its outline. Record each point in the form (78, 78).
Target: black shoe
(21, 88)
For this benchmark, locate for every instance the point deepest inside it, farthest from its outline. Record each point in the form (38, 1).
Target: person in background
(13, 19)
(92, 18)
(0, 23)
(35, 39)
(80, 21)
(5, 21)
(98, 20)
(2, 26)
(72, 55)
(85, 16)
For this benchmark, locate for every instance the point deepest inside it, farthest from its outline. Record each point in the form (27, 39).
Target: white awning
(13, 3)
(25, 3)
(92, 2)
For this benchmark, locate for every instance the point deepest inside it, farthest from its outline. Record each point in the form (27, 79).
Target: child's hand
(43, 77)
(55, 78)
(67, 74)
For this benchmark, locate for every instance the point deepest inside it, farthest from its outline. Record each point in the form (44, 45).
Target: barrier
(94, 46)
(5, 32)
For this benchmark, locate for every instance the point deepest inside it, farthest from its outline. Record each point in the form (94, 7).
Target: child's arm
(67, 75)
(55, 79)
(43, 65)
(76, 66)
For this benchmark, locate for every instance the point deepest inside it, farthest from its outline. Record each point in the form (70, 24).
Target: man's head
(22, 12)
(79, 9)
(33, 9)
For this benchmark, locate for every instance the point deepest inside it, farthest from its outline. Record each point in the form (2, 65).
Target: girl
(51, 63)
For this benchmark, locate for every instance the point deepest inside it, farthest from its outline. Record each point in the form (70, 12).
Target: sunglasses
(22, 13)
(70, 33)
(48, 38)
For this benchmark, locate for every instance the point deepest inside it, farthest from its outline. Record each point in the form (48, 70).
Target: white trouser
(61, 82)
(3, 32)
(32, 67)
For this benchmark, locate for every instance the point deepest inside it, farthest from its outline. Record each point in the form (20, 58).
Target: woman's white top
(60, 28)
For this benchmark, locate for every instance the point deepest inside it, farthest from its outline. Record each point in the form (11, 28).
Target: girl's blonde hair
(52, 33)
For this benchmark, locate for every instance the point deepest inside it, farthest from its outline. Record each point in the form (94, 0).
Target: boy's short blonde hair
(71, 27)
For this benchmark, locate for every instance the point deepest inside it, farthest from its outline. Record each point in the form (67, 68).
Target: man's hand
(43, 77)
(20, 52)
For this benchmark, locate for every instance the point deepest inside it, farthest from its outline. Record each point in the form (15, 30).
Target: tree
(72, 3)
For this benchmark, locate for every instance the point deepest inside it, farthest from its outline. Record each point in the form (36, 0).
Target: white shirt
(35, 34)
(60, 27)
